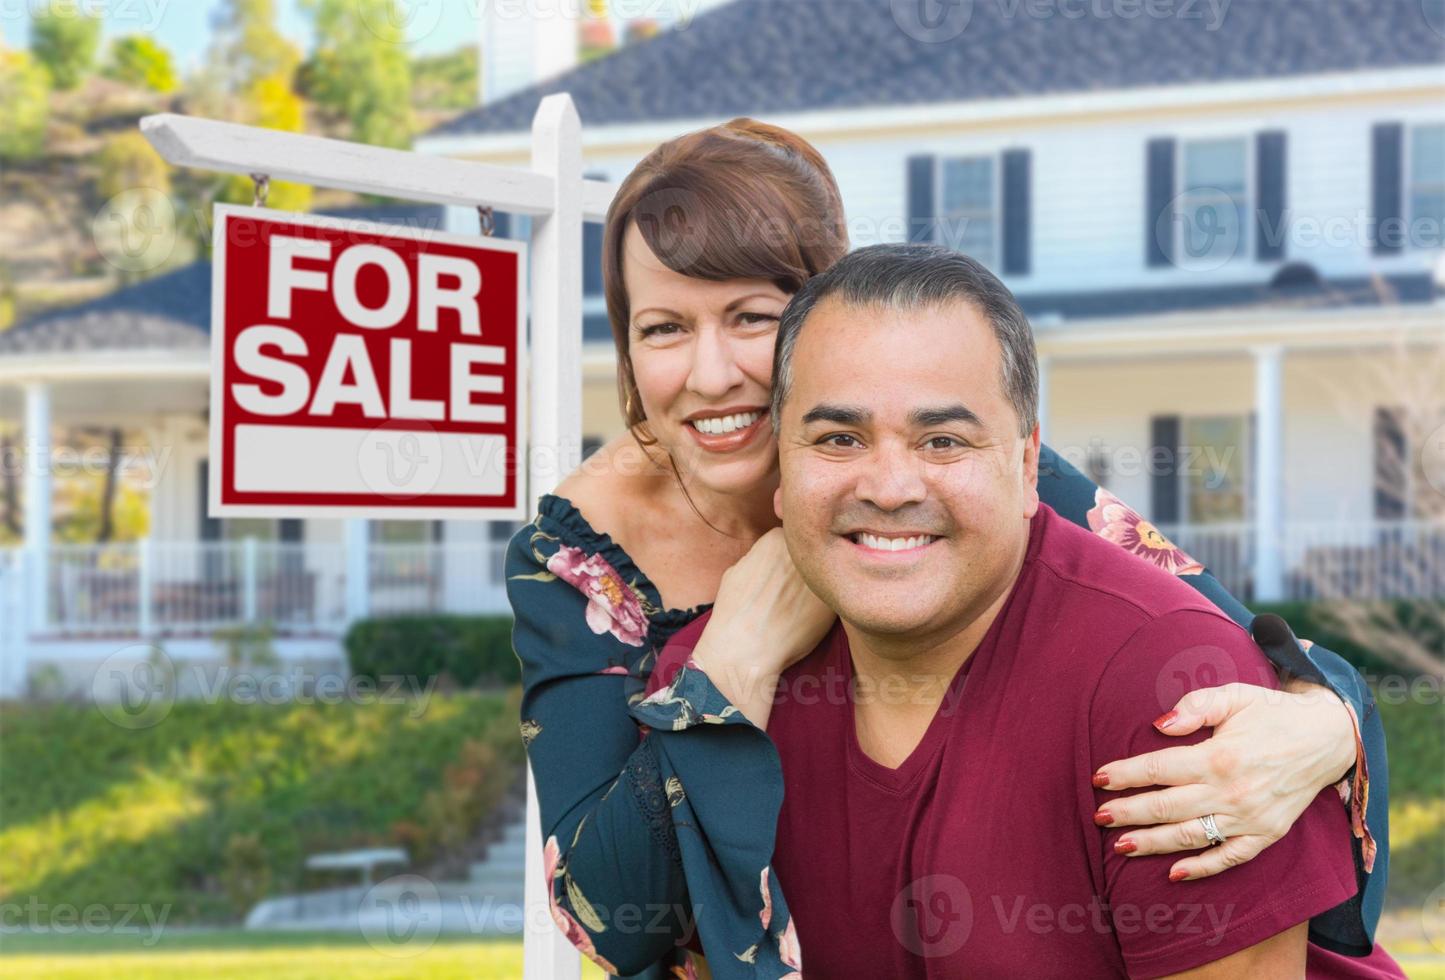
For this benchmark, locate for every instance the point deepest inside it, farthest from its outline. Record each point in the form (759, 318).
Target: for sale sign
(363, 370)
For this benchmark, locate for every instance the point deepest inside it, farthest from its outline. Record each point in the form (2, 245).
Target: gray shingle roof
(758, 57)
(171, 312)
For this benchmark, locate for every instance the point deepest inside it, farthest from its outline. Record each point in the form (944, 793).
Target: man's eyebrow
(925, 417)
(838, 415)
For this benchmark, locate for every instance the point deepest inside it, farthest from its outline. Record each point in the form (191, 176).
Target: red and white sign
(364, 370)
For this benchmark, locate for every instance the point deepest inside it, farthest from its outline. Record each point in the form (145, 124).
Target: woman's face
(702, 354)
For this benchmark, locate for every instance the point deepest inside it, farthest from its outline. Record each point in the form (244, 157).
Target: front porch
(190, 578)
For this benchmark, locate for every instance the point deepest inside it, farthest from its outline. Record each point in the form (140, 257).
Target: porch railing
(173, 588)
(1363, 560)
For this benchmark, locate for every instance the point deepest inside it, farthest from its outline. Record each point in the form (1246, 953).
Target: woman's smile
(726, 430)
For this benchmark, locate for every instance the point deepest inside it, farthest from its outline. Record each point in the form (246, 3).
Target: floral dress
(659, 813)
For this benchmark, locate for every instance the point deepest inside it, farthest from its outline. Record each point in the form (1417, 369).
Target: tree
(24, 106)
(128, 161)
(1399, 567)
(253, 65)
(64, 40)
(272, 104)
(247, 47)
(360, 69)
(446, 81)
(137, 60)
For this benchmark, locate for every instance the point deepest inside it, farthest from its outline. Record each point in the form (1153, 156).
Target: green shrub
(470, 651)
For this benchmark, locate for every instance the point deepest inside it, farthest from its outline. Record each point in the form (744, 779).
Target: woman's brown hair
(743, 200)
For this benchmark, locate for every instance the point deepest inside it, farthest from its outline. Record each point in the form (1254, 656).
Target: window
(968, 212)
(1211, 215)
(1427, 186)
(1213, 468)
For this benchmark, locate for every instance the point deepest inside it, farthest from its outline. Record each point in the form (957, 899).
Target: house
(1224, 220)
(1225, 223)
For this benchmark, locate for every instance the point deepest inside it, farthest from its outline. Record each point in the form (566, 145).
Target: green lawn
(227, 954)
(237, 955)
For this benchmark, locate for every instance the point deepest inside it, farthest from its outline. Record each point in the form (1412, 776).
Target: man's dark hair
(912, 277)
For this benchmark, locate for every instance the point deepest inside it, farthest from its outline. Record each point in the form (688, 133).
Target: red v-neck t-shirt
(978, 855)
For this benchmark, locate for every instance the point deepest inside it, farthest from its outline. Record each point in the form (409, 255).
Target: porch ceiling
(134, 400)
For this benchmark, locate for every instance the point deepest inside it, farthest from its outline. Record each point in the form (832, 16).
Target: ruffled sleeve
(725, 787)
(584, 634)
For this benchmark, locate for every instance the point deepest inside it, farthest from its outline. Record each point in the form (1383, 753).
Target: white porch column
(357, 536)
(37, 500)
(1269, 473)
(1044, 363)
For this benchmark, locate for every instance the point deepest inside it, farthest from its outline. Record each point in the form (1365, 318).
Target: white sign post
(554, 193)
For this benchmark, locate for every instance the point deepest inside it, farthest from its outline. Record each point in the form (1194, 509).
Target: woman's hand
(765, 619)
(1270, 755)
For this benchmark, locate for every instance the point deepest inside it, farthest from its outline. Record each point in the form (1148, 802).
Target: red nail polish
(1125, 846)
(1101, 779)
(1165, 720)
(1103, 818)
(1178, 875)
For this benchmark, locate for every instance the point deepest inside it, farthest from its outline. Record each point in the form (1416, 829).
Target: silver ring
(1211, 829)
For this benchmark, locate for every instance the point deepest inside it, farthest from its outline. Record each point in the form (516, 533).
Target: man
(938, 747)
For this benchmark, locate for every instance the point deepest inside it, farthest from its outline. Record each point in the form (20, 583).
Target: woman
(705, 243)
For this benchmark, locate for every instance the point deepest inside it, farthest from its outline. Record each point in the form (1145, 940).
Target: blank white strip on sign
(387, 463)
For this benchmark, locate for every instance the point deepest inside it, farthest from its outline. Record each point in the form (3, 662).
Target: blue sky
(184, 26)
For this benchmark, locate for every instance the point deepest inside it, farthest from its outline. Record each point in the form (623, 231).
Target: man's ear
(778, 503)
(1030, 474)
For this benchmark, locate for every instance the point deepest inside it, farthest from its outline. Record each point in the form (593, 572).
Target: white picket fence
(178, 588)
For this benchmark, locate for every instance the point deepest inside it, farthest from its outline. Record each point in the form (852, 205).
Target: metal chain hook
(488, 220)
(263, 187)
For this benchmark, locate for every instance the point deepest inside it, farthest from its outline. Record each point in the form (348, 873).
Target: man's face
(906, 487)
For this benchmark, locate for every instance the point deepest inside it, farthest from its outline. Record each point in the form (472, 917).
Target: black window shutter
(1269, 160)
(1391, 463)
(210, 526)
(922, 213)
(1164, 477)
(1158, 199)
(1387, 175)
(591, 258)
(1016, 212)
